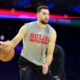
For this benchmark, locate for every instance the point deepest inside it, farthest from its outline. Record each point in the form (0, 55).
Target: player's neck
(41, 25)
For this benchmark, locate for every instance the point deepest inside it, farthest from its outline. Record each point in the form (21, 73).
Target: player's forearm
(49, 57)
(49, 60)
(50, 52)
(15, 41)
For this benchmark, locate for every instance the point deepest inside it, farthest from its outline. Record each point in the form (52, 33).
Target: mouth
(46, 20)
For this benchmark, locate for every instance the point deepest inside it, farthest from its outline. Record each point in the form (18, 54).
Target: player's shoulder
(51, 28)
(29, 23)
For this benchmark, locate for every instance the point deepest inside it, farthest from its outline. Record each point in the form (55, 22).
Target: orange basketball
(6, 52)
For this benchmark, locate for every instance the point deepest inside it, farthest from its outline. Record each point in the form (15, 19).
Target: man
(37, 37)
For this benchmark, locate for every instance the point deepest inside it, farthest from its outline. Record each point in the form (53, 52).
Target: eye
(44, 13)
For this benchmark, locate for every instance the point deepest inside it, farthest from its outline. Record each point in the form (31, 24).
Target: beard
(43, 22)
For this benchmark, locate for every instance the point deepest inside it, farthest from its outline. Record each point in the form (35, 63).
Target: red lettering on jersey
(31, 35)
(38, 38)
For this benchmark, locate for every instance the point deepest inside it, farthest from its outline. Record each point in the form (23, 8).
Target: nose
(47, 17)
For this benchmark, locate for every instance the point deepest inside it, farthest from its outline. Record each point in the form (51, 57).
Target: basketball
(6, 53)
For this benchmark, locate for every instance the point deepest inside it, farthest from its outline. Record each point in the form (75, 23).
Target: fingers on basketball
(7, 52)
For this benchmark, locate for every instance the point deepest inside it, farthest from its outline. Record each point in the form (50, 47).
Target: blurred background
(65, 18)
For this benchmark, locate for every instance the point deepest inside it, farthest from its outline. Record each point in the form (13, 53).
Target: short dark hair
(42, 7)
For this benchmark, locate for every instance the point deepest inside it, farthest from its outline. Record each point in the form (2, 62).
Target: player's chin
(46, 22)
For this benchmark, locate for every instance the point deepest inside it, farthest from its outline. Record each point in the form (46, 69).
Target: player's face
(43, 16)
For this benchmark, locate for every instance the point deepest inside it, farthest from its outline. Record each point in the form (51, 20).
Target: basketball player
(37, 37)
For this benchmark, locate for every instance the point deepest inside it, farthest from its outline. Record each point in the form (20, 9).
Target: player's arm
(19, 36)
(51, 47)
(14, 42)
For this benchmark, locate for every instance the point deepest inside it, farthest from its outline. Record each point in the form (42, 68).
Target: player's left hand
(45, 69)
